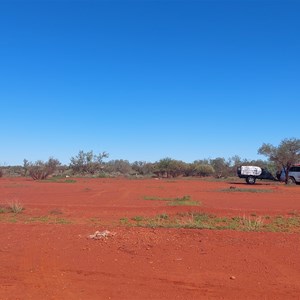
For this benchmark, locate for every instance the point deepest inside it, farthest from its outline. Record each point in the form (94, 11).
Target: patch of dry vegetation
(202, 220)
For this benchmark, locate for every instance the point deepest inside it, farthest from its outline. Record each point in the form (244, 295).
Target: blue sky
(144, 80)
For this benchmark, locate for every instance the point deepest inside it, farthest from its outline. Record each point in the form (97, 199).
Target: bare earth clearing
(45, 252)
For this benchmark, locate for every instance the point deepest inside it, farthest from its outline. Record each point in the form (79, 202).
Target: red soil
(58, 261)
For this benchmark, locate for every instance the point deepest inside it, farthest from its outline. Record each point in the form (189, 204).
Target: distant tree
(42, 170)
(118, 166)
(26, 165)
(177, 168)
(204, 170)
(236, 161)
(198, 168)
(142, 167)
(87, 162)
(169, 167)
(221, 166)
(285, 155)
(204, 161)
(189, 169)
(162, 167)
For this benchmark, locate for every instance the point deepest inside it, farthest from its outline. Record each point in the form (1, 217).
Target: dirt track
(58, 261)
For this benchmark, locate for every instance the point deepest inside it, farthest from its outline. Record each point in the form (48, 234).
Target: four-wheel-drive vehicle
(294, 175)
(251, 173)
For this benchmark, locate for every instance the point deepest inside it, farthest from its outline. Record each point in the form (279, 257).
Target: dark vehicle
(251, 173)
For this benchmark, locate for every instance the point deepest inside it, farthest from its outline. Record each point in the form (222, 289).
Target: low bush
(42, 170)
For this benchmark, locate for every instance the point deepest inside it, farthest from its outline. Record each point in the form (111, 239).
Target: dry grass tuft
(15, 206)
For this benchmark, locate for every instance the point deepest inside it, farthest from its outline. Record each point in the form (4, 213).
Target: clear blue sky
(144, 80)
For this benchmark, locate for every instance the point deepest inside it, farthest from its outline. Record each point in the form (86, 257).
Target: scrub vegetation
(203, 220)
(89, 164)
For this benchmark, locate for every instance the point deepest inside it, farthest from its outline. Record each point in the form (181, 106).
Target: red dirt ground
(57, 261)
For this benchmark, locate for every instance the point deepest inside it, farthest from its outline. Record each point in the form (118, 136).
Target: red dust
(58, 261)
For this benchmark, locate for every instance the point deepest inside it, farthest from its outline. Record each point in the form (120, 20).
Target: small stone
(232, 277)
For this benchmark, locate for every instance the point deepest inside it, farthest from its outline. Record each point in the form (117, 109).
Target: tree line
(284, 156)
(90, 164)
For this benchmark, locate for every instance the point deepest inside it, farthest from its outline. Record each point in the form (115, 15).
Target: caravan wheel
(250, 179)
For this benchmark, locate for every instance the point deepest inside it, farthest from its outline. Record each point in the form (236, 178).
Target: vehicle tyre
(250, 179)
(291, 180)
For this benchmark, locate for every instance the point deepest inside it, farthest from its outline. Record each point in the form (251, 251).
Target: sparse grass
(157, 198)
(69, 181)
(10, 217)
(95, 220)
(163, 216)
(124, 221)
(58, 179)
(41, 219)
(245, 190)
(137, 218)
(213, 179)
(160, 187)
(185, 200)
(15, 185)
(252, 224)
(15, 206)
(2, 209)
(191, 219)
(179, 201)
(102, 175)
(47, 220)
(55, 211)
(52, 179)
(12, 220)
(61, 221)
(293, 213)
(284, 224)
(202, 220)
